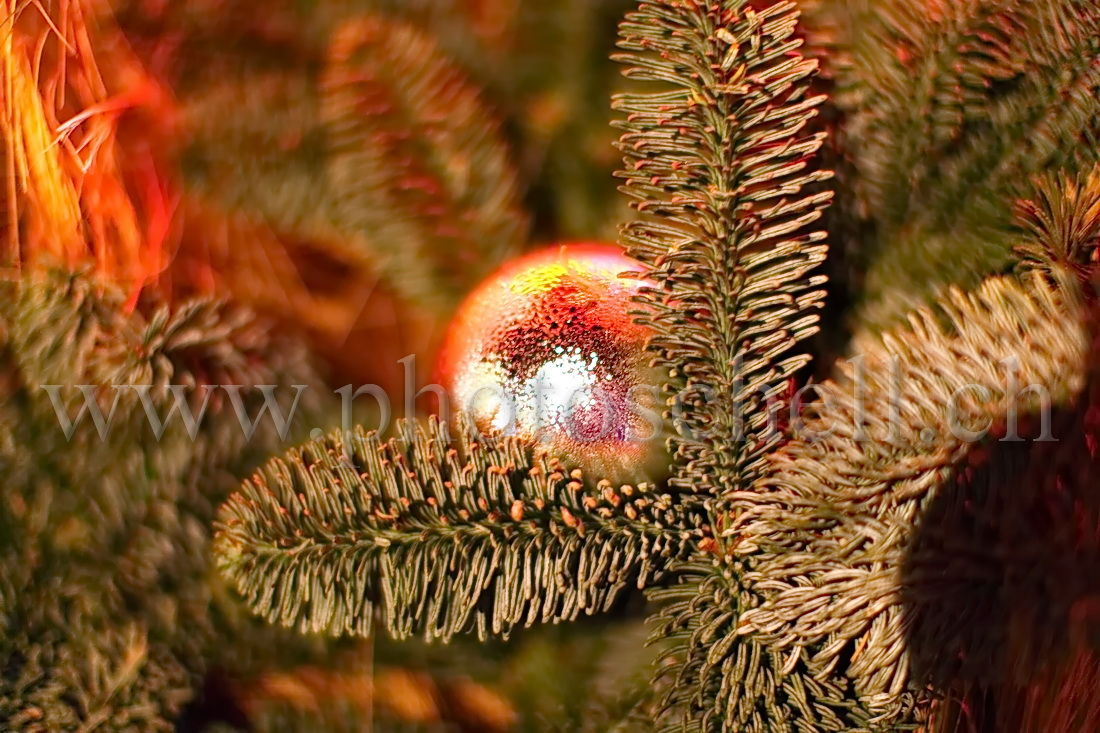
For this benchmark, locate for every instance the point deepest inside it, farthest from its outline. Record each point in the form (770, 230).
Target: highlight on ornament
(547, 349)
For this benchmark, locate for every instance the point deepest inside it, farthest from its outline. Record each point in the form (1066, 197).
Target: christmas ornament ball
(546, 349)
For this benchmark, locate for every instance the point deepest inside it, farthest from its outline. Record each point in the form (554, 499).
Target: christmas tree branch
(721, 680)
(831, 532)
(950, 109)
(1061, 224)
(377, 152)
(720, 168)
(719, 165)
(442, 532)
(417, 160)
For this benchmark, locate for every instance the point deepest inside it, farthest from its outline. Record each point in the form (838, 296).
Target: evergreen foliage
(947, 111)
(845, 542)
(1061, 225)
(412, 147)
(717, 159)
(67, 676)
(914, 549)
(441, 532)
(109, 607)
(373, 141)
(802, 581)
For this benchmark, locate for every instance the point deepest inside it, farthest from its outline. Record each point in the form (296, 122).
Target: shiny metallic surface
(545, 349)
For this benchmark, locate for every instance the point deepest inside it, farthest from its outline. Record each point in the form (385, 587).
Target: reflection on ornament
(545, 349)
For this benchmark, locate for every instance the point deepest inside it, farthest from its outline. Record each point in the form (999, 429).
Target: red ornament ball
(545, 349)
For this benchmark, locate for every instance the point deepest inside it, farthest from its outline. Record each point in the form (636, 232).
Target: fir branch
(720, 680)
(118, 528)
(950, 109)
(416, 159)
(71, 674)
(1062, 224)
(961, 98)
(718, 165)
(442, 534)
(384, 157)
(66, 330)
(832, 534)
